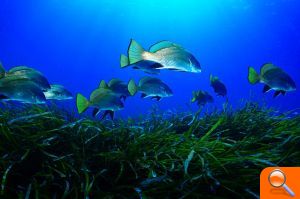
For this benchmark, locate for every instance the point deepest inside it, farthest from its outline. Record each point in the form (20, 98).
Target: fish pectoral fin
(266, 88)
(123, 97)
(156, 97)
(157, 65)
(276, 94)
(108, 112)
(146, 64)
(96, 111)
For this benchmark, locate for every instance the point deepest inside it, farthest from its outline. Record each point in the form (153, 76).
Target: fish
(58, 92)
(24, 72)
(101, 99)
(166, 55)
(218, 86)
(273, 77)
(146, 66)
(21, 90)
(202, 98)
(117, 86)
(150, 87)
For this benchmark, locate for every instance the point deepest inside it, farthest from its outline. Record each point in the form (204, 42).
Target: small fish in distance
(218, 86)
(202, 98)
(117, 86)
(101, 99)
(150, 87)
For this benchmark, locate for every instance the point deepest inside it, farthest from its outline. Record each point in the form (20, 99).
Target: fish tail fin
(253, 76)
(124, 61)
(135, 52)
(194, 97)
(82, 103)
(132, 87)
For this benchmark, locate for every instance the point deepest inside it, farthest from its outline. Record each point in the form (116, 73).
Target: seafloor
(49, 153)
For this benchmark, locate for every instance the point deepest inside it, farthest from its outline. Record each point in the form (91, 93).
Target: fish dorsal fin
(18, 68)
(213, 78)
(100, 91)
(103, 84)
(161, 45)
(201, 92)
(266, 67)
(148, 79)
(196, 93)
(114, 81)
(144, 80)
(193, 93)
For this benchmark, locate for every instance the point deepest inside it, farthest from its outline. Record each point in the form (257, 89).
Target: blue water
(77, 43)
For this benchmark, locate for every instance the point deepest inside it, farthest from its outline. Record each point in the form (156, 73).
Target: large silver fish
(102, 100)
(24, 72)
(150, 87)
(58, 92)
(166, 54)
(21, 90)
(274, 78)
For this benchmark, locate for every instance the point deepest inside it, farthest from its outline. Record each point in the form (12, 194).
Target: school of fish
(27, 85)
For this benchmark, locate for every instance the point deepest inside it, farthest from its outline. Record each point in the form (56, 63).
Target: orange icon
(280, 182)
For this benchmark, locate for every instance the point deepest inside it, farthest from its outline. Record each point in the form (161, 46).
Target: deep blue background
(78, 42)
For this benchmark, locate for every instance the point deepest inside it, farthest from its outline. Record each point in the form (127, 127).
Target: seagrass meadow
(49, 153)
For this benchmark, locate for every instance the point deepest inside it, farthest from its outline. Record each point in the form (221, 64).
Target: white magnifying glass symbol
(277, 179)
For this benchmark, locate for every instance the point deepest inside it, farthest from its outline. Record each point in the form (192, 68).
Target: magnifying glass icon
(277, 179)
